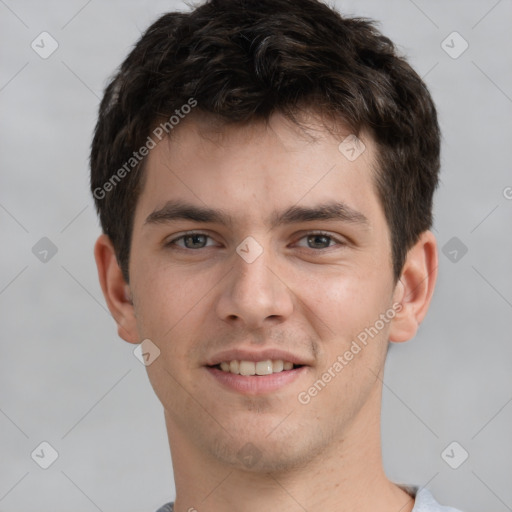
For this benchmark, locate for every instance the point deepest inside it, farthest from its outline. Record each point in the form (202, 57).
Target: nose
(255, 293)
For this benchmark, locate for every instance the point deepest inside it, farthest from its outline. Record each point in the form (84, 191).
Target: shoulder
(425, 502)
(168, 507)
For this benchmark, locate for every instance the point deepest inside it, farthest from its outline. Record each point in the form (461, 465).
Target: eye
(192, 240)
(197, 240)
(318, 239)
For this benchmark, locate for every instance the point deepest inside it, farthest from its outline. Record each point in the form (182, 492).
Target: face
(289, 263)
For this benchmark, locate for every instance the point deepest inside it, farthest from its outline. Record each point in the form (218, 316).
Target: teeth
(247, 368)
(266, 367)
(277, 366)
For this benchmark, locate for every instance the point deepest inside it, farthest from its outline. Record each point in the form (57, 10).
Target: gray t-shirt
(424, 502)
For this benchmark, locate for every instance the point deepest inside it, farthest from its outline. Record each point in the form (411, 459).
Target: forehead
(256, 170)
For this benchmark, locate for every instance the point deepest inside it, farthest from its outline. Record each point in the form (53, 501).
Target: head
(242, 119)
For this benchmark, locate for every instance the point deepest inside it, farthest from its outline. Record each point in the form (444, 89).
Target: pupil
(194, 237)
(315, 237)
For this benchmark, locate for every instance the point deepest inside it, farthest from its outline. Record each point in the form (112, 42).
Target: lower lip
(256, 384)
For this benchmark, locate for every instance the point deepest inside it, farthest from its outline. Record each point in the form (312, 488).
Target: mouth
(260, 368)
(256, 377)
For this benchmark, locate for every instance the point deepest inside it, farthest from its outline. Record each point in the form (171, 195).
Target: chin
(267, 452)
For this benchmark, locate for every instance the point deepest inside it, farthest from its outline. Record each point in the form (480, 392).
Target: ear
(415, 288)
(115, 289)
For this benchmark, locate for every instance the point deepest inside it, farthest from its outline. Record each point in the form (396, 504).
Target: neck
(347, 476)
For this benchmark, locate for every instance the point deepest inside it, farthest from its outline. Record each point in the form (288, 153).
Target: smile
(245, 379)
(247, 368)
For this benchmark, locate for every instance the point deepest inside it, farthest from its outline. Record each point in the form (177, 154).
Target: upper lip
(253, 355)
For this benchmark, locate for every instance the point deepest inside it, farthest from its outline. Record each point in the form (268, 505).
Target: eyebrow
(334, 210)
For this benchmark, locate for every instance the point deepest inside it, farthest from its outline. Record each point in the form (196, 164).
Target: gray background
(65, 376)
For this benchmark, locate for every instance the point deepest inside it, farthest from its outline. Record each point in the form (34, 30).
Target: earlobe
(415, 288)
(115, 289)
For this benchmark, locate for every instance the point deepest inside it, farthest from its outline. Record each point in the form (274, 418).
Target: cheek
(169, 314)
(170, 307)
(351, 355)
(346, 301)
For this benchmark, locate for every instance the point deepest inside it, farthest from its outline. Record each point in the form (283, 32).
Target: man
(264, 173)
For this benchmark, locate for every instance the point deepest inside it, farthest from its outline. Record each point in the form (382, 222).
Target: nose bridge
(254, 292)
(252, 271)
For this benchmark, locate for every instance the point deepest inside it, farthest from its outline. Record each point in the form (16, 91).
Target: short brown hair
(242, 61)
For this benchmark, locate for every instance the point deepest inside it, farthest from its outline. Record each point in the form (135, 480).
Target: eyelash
(172, 242)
